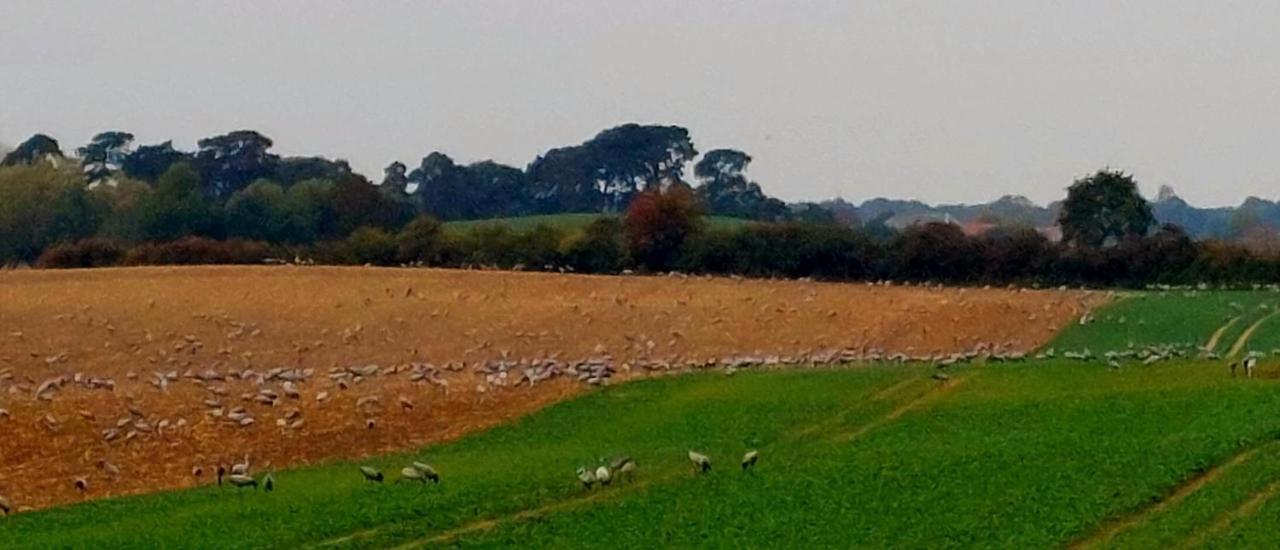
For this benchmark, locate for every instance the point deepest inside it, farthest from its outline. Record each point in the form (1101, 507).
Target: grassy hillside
(881, 456)
(568, 222)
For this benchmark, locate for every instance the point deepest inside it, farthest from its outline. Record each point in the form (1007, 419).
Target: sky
(942, 101)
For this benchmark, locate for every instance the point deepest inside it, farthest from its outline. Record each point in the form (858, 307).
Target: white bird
(603, 475)
(701, 463)
(586, 477)
(623, 466)
(241, 481)
(82, 485)
(371, 474)
(427, 471)
(410, 473)
(241, 468)
(749, 460)
(1249, 364)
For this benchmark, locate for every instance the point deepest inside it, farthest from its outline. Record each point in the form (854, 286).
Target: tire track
(929, 396)
(1244, 338)
(1244, 511)
(1217, 334)
(1183, 490)
(835, 419)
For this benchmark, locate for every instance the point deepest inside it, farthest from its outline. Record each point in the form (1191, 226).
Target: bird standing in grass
(5, 506)
(409, 473)
(603, 476)
(749, 460)
(269, 483)
(370, 474)
(622, 467)
(586, 477)
(701, 462)
(222, 473)
(241, 481)
(428, 473)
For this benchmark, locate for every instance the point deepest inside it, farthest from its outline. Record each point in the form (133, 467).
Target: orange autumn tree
(658, 222)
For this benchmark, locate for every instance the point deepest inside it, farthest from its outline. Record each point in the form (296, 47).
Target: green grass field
(566, 222)
(1180, 317)
(1017, 455)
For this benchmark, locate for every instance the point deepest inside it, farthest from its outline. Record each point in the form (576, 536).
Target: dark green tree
(42, 205)
(260, 212)
(311, 213)
(726, 191)
(1103, 208)
(607, 171)
(149, 162)
(34, 148)
(230, 162)
(104, 154)
(358, 203)
(177, 208)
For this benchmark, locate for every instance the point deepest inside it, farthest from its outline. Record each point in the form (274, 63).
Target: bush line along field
(1033, 454)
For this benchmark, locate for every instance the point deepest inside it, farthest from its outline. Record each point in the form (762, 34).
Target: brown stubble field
(134, 326)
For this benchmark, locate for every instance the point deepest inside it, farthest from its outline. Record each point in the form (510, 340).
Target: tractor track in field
(932, 395)
(486, 524)
(1111, 529)
(1243, 340)
(879, 393)
(1246, 509)
(561, 505)
(1212, 344)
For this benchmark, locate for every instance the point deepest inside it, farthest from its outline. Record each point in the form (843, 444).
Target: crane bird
(222, 473)
(5, 506)
(241, 481)
(370, 474)
(409, 473)
(269, 483)
(603, 475)
(701, 463)
(82, 485)
(428, 473)
(586, 477)
(750, 459)
(623, 466)
(1249, 364)
(196, 472)
(241, 468)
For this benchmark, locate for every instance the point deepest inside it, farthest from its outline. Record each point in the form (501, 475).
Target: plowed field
(100, 369)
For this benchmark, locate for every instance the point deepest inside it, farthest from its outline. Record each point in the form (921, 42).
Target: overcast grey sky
(938, 100)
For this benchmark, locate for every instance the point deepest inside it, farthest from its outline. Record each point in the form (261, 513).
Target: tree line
(233, 201)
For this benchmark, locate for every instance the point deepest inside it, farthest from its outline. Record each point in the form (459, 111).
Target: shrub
(85, 253)
(420, 241)
(198, 251)
(367, 245)
(658, 223)
(601, 248)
